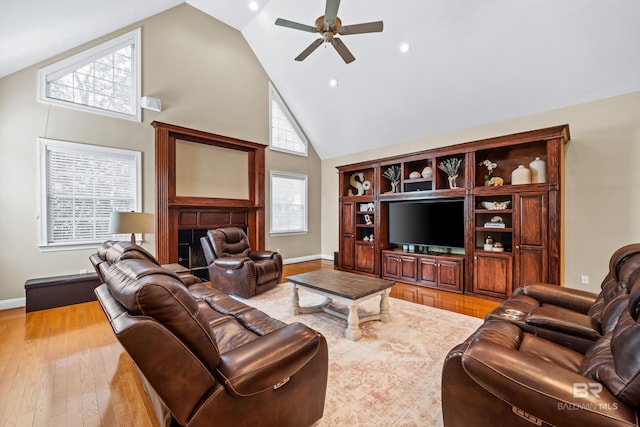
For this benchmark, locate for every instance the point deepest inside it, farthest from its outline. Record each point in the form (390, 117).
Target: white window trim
(72, 63)
(44, 143)
(274, 95)
(305, 178)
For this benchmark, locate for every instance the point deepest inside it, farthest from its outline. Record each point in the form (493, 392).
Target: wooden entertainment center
(531, 215)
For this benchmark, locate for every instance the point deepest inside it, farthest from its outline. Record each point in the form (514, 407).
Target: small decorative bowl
(496, 206)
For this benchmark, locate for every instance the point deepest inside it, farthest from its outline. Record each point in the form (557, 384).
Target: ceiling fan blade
(342, 50)
(313, 46)
(368, 27)
(295, 25)
(331, 12)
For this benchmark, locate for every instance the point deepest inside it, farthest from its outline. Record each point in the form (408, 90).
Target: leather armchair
(206, 359)
(235, 268)
(571, 317)
(504, 376)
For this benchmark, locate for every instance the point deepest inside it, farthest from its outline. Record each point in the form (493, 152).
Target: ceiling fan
(329, 25)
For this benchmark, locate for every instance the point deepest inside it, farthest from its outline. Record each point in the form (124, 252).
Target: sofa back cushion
(146, 289)
(229, 242)
(614, 360)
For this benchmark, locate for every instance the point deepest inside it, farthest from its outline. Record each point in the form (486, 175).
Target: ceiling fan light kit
(328, 26)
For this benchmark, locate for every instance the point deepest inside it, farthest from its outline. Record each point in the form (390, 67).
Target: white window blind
(288, 203)
(80, 186)
(104, 79)
(285, 134)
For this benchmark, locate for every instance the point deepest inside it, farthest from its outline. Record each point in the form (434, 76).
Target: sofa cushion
(144, 288)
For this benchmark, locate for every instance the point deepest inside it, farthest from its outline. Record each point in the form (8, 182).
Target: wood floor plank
(64, 366)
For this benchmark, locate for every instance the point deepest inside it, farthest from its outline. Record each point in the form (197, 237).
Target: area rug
(392, 375)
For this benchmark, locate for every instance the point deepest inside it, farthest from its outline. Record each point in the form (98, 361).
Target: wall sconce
(131, 222)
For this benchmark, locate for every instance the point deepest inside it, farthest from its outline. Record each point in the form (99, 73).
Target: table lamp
(131, 222)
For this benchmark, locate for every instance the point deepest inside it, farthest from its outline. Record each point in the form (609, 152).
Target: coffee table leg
(353, 331)
(385, 316)
(294, 308)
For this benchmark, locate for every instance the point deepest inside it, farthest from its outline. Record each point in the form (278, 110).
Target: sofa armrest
(564, 320)
(262, 254)
(542, 389)
(230, 263)
(573, 299)
(269, 361)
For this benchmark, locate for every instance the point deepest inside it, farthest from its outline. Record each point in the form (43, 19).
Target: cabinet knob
(517, 246)
(475, 257)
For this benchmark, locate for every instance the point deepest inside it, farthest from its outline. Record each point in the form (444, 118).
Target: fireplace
(190, 254)
(176, 213)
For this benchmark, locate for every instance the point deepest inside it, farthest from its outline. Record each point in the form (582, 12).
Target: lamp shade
(131, 222)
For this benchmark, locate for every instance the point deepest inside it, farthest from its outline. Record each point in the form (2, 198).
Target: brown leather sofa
(207, 359)
(235, 268)
(568, 316)
(503, 375)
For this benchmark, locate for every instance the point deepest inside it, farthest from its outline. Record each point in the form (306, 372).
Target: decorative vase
(538, 171)
(427, 172)
(521, 175)
(452, 181)
(394, 186)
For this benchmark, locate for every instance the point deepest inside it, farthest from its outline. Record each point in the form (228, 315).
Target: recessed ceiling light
(405, 47)
(254, 5)
(333, 82)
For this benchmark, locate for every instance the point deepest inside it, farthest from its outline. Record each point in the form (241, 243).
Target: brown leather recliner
(207, 359)
(504, 376)
(571, 317)
(236, 269)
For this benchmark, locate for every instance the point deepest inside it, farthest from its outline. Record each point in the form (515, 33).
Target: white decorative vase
(522, 175)
(427, 172)
(538, 171)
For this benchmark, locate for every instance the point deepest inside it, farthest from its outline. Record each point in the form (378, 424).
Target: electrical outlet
(584, 280)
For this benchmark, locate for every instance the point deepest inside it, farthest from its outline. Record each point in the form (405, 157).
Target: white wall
(207, 78)
(602, 179)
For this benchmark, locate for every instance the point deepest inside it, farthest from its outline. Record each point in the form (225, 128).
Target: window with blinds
(80, 185)
(104, 79)
(285, 134)
(288, 203)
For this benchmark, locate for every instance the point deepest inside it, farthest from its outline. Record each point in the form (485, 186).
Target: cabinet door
(428, 272)
(348, 238)
(492, 274)
(450, 274)
(390, 266)
(531, 247)
(408, 269)
(348, 251)
(365, 257)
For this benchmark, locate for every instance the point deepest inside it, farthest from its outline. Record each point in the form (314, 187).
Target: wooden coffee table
(347, 288)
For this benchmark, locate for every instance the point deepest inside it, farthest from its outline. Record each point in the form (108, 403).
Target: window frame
(275, 96)
(288, 175)
(43, 178)
(73, 62)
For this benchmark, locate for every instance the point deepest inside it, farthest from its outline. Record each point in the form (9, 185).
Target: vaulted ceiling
(470, 62)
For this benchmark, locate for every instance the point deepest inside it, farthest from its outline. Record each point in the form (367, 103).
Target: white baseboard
(307, 258)
(12, 303)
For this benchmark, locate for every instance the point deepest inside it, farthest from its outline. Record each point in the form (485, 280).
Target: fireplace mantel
(170, 207)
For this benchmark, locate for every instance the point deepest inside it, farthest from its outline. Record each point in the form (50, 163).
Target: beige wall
(207, 78)
(602, 179)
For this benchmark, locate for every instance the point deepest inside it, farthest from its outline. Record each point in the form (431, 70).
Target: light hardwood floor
(64, 367)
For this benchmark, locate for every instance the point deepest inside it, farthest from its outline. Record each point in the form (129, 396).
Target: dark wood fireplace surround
(175, 212)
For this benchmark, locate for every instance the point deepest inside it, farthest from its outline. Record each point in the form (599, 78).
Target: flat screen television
(427, 223)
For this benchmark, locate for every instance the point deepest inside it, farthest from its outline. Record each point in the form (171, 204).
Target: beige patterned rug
(390, 376)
